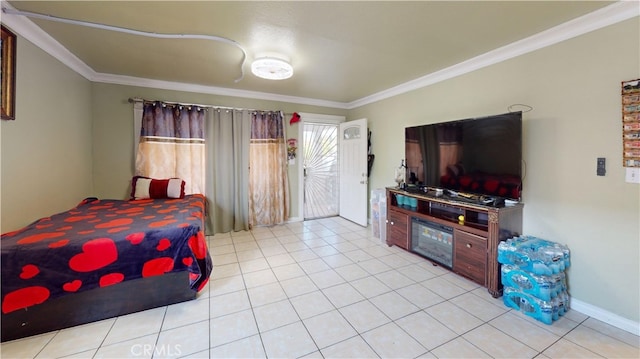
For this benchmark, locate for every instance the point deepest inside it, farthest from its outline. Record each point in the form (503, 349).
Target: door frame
(317, 118)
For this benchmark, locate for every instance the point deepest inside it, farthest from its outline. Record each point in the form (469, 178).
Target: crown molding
(606, 16)
(211, 90)
(598, 19)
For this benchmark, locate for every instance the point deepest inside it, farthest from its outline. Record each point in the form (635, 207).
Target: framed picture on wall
(8, 74)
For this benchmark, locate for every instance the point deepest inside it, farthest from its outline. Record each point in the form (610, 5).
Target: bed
(100, 259)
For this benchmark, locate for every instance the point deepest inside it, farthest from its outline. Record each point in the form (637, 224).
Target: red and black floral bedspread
(101, 243)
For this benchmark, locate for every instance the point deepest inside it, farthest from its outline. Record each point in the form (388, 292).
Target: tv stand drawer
(470, 256)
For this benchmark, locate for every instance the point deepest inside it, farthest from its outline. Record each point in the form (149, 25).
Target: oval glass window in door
(351, 133)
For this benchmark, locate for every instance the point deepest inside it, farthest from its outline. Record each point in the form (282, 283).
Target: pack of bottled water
(533, 276)
(544, 287)
(542, 310)
(534, 255)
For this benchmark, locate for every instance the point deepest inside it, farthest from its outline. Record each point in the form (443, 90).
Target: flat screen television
(480, 156)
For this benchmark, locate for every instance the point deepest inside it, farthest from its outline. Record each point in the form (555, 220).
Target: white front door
(353, 171)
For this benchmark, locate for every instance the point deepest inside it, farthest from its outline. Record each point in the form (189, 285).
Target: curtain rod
(137, 99)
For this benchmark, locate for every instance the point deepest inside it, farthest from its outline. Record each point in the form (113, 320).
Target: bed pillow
(145, 187)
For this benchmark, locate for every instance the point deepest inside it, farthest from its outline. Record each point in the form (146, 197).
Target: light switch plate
(632, 175)
(601, 166)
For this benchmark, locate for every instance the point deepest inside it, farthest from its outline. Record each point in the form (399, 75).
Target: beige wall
(113, 132)
(574, 89)
(46, 152)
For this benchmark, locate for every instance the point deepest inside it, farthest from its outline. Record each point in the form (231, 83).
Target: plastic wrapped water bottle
(533, 254)
(529, 305)
(543, 287)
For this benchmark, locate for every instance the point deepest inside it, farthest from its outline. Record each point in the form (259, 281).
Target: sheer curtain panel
(172, 144)
(268, 181)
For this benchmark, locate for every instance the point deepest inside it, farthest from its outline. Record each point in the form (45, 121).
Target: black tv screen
(480, 156)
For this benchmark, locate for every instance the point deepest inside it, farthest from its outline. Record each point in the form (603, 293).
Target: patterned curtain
(268, 181)
(172, 144)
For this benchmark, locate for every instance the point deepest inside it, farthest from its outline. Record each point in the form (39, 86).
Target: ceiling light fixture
(271, 68)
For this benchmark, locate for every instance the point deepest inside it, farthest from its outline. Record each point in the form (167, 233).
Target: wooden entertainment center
(474, 229)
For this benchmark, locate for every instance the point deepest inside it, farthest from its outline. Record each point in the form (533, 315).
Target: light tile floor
(328, 288)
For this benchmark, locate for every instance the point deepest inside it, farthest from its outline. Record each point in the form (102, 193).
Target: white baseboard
(295, 219)
(605, 316)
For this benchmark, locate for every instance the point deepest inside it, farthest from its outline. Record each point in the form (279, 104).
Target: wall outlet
(632, 175)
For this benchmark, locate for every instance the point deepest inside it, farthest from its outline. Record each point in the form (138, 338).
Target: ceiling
(341, 51)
